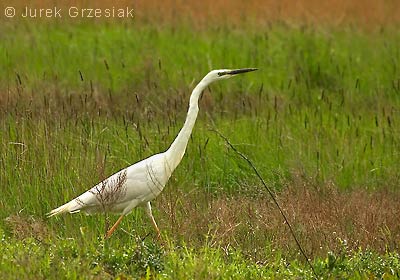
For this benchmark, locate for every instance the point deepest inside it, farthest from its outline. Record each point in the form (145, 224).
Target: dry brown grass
(336, 12)
(23, 227)
(323, 219)
(306, 11)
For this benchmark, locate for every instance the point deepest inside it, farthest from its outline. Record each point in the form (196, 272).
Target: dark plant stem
(272, 196)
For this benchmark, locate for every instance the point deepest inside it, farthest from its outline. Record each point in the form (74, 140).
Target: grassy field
(320, 120)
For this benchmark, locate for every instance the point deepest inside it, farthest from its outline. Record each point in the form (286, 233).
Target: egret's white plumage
(143, 181)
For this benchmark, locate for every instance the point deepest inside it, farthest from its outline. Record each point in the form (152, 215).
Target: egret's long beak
(237, 71)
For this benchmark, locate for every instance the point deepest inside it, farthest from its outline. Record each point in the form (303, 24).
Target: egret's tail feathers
(70, 207)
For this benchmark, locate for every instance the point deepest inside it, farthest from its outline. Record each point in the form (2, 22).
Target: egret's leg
(150, 214)
(114, 227)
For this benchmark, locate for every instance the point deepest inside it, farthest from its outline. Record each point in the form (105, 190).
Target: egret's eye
(221, 73)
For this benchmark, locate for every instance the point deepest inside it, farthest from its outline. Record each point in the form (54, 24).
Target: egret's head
(223, 74)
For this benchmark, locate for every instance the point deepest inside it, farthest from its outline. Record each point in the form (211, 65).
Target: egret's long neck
(177, 149)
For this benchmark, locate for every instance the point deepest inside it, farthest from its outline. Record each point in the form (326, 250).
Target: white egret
(143, 181)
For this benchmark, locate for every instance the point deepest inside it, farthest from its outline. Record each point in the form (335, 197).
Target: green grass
(80, 101)
(70, 259)
(337, 89)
